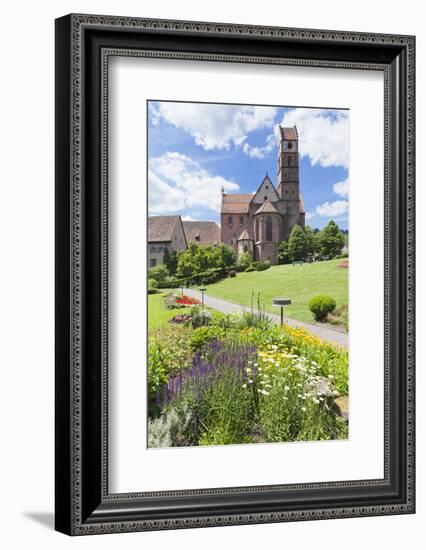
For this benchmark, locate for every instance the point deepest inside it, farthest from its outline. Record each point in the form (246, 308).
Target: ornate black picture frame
(83, 45)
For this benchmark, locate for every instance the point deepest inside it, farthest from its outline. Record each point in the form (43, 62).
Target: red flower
(187, 301)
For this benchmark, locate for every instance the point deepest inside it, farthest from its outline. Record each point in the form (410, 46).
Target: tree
(330, 240)
(312, 239)
(245, 260)
(200, 258)
(228, 256)
(283, 253)
(170, 260)
(158, 273)
(297, 244)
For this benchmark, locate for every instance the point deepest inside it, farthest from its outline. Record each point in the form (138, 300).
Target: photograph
(247, 274)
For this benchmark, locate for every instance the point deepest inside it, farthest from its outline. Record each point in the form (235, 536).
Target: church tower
(288, 165)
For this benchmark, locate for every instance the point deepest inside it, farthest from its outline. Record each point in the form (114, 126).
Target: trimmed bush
(250, 269)
(232, 273)
(321, 306)
(262, 265)
(152, 286)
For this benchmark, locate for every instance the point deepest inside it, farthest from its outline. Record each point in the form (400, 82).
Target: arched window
(257, 237)
(269, 228)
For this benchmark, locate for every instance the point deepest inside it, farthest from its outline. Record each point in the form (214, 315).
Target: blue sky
(195, 149)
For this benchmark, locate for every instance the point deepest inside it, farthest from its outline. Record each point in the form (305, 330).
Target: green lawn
(299, 283)
(157, 313)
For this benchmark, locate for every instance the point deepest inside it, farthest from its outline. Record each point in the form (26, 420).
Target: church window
(257, 229)
(230, 220)
(290, 145)
(269, 228)
(152, 262)
(245, 248)
(241, 220)
(266, 198)
(289, 161)
(266, 186)
(197, 238)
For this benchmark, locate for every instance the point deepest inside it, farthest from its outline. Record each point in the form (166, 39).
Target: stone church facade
(257, 223)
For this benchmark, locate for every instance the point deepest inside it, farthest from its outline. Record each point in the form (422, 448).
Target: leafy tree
(228, 256)
(171, 260)
(200, 258)
(158, 273)
(283, 253)
(330, 240)
(297, 244)
(244, 261)
(312, 240)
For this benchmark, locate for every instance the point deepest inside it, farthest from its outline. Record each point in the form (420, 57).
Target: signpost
(202, 290)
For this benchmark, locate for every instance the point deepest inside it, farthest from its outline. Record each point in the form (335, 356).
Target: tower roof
(266, 208)
(288, 133)
(244, 236)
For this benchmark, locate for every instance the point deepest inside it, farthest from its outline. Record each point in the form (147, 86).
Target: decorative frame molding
(84, 43)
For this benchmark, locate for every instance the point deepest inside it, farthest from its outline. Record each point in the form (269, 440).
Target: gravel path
(325, 332)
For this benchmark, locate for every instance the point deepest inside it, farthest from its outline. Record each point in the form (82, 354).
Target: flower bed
(187, 301)
(235, 382)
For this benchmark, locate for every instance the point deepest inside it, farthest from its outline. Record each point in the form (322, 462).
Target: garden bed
(228, 379)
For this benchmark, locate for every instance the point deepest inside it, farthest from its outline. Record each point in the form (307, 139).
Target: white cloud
(175, 182)
(341, 188)
(214, 126)
(163, 198)
(188, 219)
(323, 135)
(309, 215)
(332, 209)
(261, 152)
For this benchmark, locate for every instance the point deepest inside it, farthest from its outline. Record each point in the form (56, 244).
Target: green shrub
(204, 335)
(321, 306)
(200, 317)
(232, 273)
(174, 428)
(158, 272)
(168, 352)
(152, 286)
(250, 269)
(244, 261)
(261, 265)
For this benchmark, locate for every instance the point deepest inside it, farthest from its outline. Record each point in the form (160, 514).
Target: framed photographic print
(234, 274)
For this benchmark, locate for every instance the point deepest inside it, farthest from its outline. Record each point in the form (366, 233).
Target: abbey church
(257, 223)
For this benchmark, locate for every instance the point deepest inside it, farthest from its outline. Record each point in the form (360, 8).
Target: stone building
(164, 232)
(258, 222)
(171, 233)
(202, 232)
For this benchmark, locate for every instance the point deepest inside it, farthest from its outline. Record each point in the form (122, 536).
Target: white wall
(26, 300)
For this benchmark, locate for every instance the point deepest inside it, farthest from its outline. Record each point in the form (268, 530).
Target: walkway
(324, 332)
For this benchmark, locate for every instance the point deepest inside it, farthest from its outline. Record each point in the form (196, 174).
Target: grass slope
(300, 283)
(158, 314)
